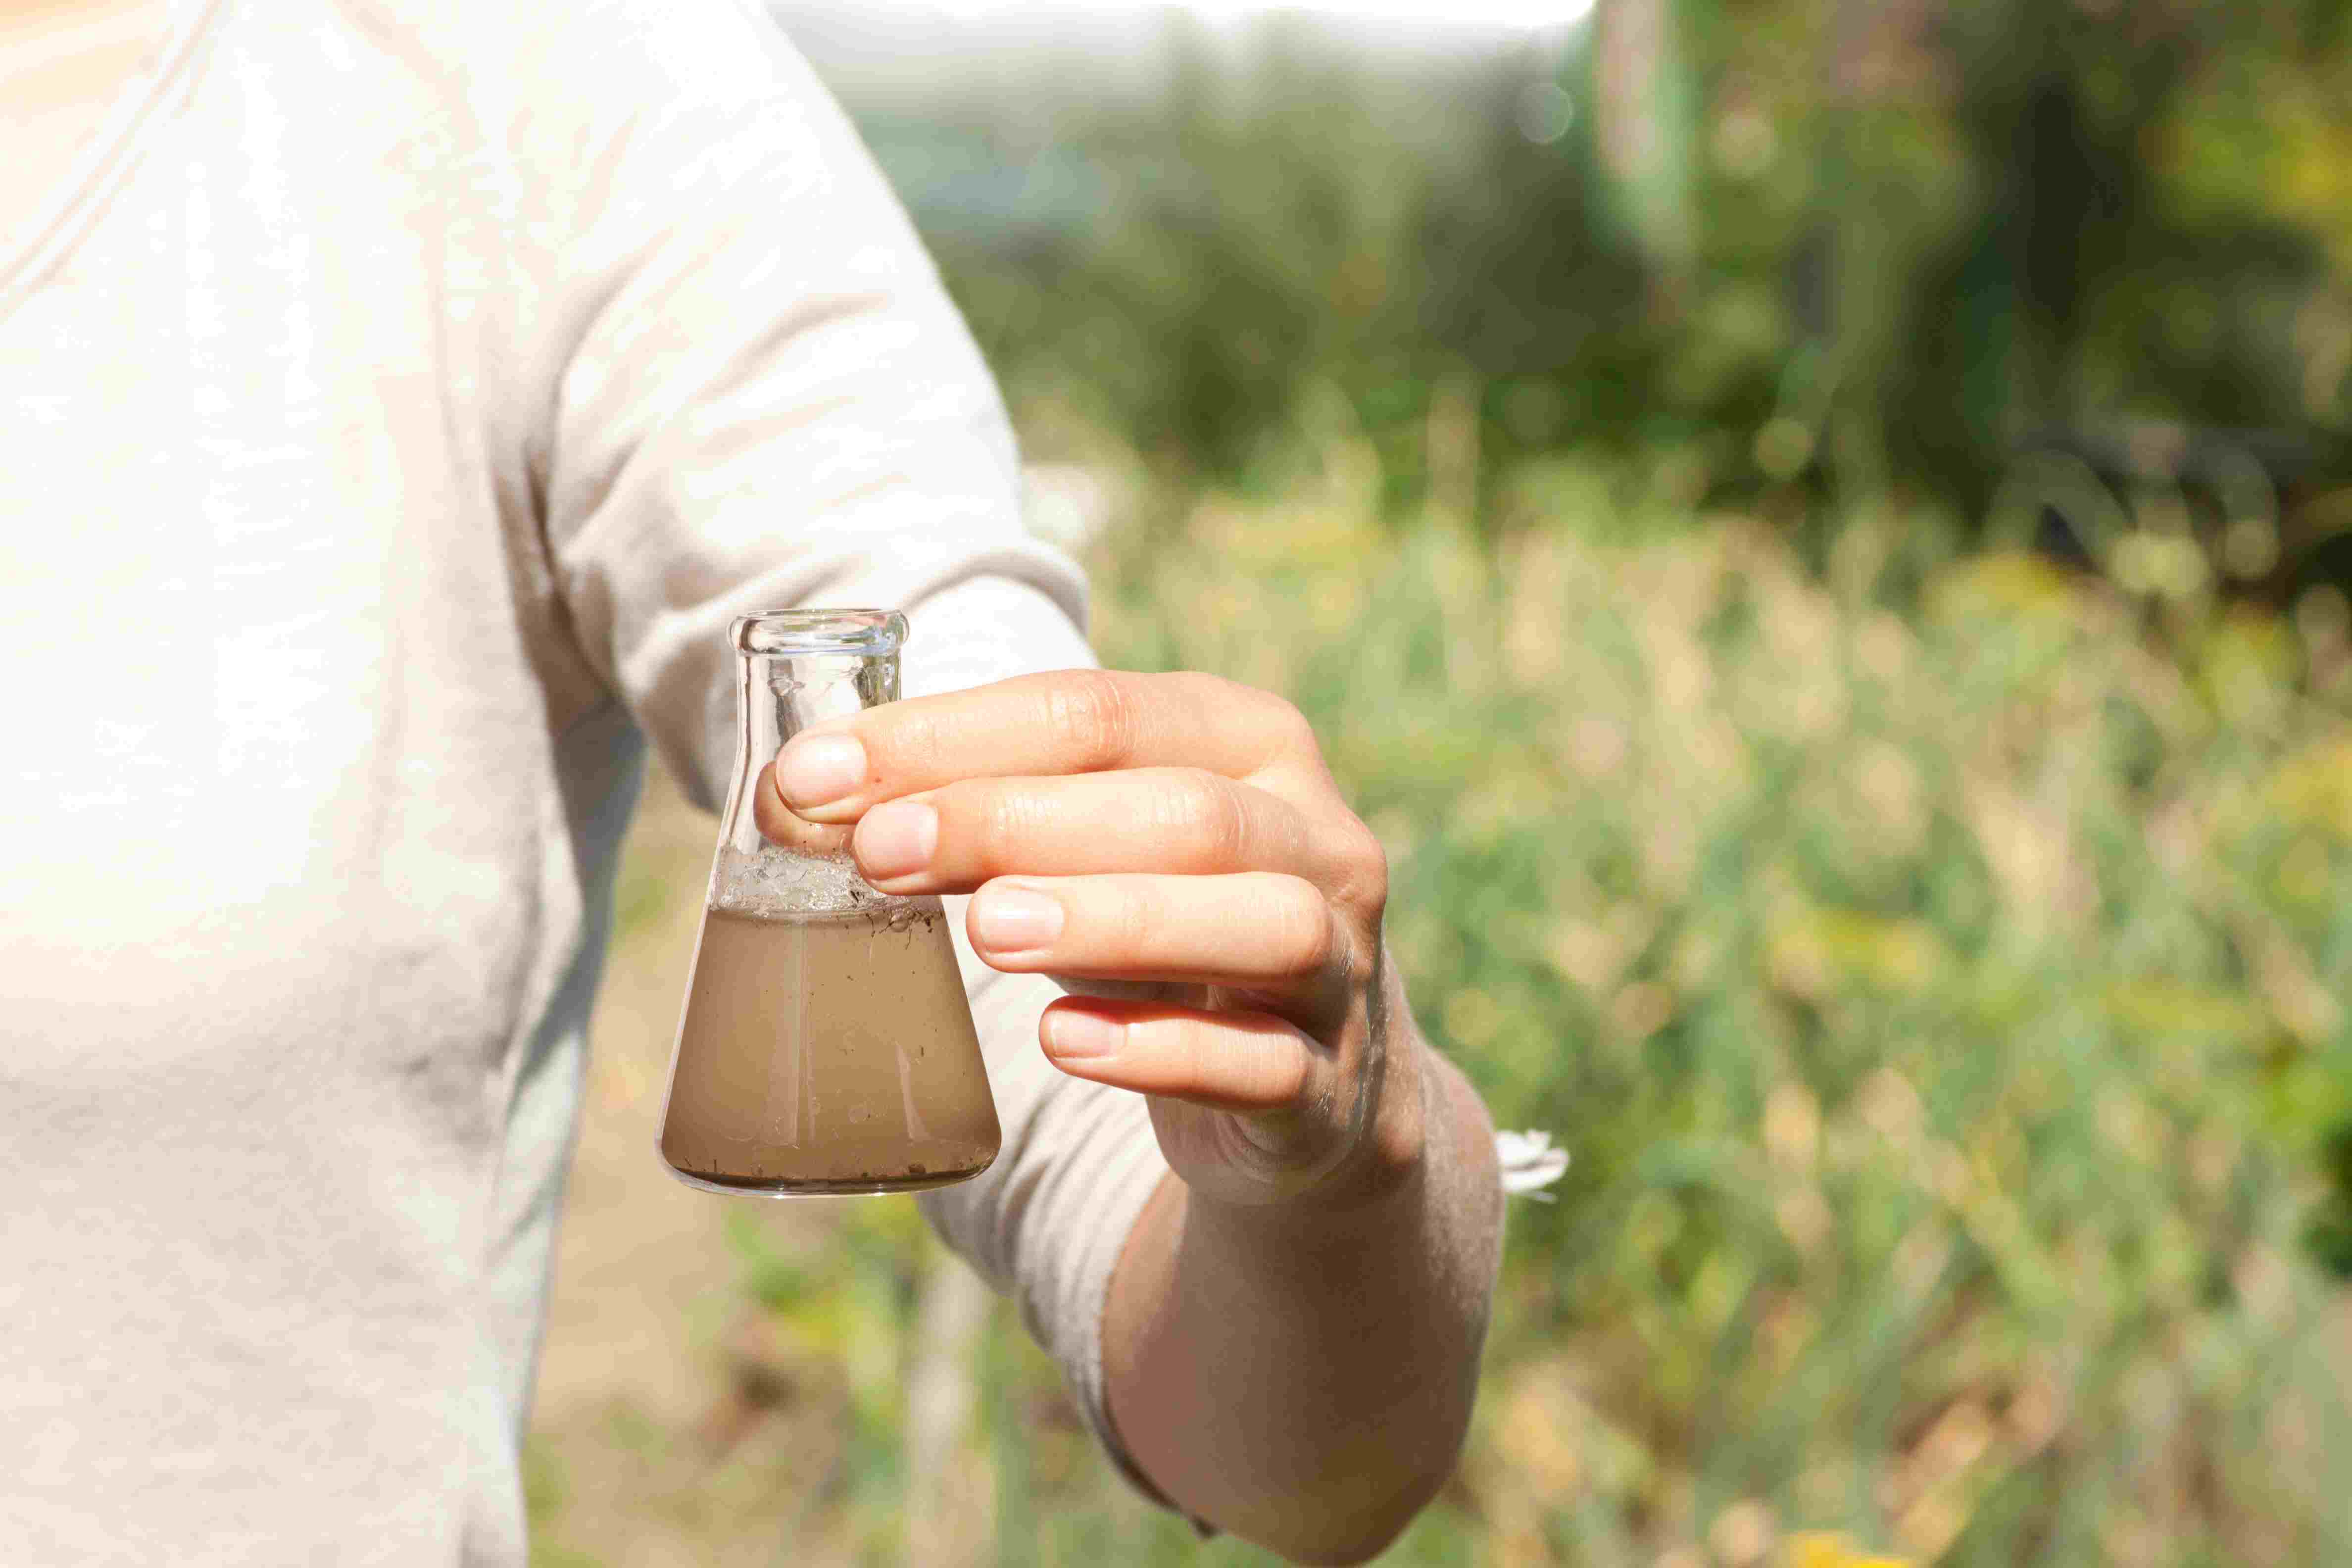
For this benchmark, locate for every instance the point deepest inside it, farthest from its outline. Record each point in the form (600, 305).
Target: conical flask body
(827, 1045)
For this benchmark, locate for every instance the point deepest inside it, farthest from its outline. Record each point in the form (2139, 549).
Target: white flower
(1529, 1162)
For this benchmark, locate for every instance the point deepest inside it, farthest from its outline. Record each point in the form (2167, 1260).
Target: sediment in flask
(828, 1051)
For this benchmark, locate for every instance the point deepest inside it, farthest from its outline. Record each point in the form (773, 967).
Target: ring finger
(1260, 931)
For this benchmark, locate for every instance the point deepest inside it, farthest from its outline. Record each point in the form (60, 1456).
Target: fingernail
(1069, 1033)
(896, 839)
(817, 769)
(1013, 920)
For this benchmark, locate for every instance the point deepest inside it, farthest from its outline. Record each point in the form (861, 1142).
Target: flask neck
(798, 668)
(777, 696)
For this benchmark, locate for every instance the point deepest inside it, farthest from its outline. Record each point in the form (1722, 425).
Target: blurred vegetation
(1797, 250)
(1938, 980)
(1808, 531)
(1961, 974)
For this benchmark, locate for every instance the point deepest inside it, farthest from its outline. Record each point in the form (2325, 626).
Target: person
(402, 400)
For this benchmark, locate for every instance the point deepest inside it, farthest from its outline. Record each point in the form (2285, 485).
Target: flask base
(820, 1187)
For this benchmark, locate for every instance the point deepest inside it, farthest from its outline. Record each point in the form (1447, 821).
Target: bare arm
(1304, 1379)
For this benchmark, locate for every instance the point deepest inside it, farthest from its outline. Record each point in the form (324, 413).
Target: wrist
(1375, 1189)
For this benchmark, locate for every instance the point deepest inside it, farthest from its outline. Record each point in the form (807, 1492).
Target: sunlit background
(1523, 14)
(1814, 532)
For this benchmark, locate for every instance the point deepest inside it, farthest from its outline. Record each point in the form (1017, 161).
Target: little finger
(1226, 1061)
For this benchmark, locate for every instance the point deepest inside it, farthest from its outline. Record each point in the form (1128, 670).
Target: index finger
(1062, 721)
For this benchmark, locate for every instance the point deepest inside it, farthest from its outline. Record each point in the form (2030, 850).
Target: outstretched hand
(1175, 830)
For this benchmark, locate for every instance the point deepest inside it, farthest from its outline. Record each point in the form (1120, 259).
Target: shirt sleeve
(763, 397)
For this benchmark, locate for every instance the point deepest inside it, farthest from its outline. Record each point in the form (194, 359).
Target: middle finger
(1174, 820)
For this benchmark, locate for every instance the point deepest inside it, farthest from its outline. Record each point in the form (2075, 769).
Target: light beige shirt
(396, 401)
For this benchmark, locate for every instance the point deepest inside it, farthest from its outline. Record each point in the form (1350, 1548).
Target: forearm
(1304, 1379)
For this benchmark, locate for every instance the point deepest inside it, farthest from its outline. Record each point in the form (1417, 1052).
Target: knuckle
(1208, 811)
(986, 819)
(1304, 942)
(1275, 1068)
(1362, 881)
(1275, 720)
(1269, 714)
(1226, 1061)
(1184, 1056)
(1213, 693)
(901, 738)
(1246, 1063)
(1290, 727)
(1091, 715)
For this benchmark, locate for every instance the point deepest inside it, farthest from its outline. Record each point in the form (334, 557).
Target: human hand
(1179, 831)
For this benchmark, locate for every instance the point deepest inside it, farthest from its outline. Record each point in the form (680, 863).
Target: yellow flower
(1816, 1549)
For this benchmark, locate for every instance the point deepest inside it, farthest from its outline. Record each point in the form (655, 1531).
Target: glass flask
(826, 1044)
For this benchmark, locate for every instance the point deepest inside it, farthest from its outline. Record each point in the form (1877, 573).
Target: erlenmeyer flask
(826, 1044)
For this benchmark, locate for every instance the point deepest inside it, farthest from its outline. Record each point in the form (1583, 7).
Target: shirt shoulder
(567, 94)
(589, 53)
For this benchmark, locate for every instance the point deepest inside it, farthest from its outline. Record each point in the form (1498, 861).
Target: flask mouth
(865, 634)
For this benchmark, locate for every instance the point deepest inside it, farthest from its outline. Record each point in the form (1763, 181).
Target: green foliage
(2330, 1233)
(1907, 240)
(547, 1556)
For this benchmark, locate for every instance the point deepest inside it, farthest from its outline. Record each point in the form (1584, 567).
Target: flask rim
(859, 633)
